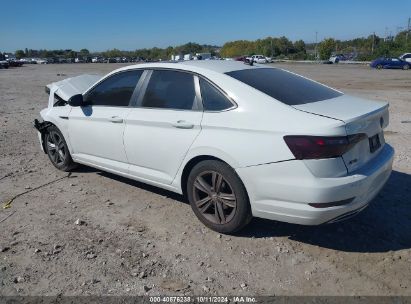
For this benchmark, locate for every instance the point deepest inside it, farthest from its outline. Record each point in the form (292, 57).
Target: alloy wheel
(214, 197)
(56, 148)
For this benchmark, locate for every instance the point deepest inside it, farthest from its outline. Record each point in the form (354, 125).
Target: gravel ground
(96, 233)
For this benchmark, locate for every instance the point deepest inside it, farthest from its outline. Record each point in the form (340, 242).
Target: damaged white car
(237, 140)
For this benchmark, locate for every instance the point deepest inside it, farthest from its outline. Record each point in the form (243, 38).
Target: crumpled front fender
(41, 127)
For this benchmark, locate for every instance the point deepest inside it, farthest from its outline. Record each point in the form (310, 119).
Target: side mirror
(76, 100)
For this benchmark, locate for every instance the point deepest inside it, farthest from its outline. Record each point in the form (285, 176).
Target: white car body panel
(361, 117)
(144, 144)
(279, 190)
(96, 138)
(158, 130)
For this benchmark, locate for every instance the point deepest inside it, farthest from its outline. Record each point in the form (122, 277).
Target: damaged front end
(41, 127)
(59, 93)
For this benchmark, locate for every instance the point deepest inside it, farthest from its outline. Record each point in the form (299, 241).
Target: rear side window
(170, 90)
(213, 99)
(284, 86)
(115, 91)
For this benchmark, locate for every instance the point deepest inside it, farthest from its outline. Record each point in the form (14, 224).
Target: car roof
(219, 66)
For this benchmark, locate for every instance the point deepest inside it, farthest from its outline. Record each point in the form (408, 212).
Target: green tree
(299, 46)
(20, 54)
(84, 52)
(326, 47)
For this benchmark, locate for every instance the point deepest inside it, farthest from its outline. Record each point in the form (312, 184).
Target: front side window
(289, 88)
(115, 91)
(213, 99)
(170, 90)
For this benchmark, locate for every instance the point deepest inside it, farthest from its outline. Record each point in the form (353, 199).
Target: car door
(395, 63)
(163, 125)
(96, 130)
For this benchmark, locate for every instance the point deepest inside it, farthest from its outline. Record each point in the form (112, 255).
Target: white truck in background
(259, 59)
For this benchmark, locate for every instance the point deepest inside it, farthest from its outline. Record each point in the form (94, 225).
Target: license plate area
(375, 143)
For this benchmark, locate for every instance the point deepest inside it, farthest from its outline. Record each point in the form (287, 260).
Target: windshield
(284, 86)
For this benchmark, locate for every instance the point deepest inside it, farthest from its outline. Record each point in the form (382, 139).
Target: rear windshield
(284, 86)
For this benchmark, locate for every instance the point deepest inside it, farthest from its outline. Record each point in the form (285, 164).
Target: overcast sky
(129, 25)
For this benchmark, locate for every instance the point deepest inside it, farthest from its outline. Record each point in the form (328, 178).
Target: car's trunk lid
(361, 116)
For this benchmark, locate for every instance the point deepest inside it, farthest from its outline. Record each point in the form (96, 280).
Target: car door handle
(116, 119)
(182, 124)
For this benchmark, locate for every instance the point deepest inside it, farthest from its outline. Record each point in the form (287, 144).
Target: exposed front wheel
(218, 197)
(379, 67)
(57, 150)
(406, 67)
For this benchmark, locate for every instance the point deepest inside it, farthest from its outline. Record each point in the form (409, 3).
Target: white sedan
(237, 140)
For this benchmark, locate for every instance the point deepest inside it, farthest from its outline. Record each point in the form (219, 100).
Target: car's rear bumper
(282, 191)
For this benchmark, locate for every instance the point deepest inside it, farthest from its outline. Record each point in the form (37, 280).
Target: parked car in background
(203, 56)
(237, 140)
(15, 63)
(258, 59)
(335, 58)
(40, 61)
(390, 63)
(240, 58)
(406, 57)
(4, 64)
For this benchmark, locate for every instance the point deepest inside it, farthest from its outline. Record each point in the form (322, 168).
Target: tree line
(365, 48)
(154, 53)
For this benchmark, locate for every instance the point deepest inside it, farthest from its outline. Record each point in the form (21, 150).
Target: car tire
(218, 197)
(379, 67)
(57, 150)
(406, 67)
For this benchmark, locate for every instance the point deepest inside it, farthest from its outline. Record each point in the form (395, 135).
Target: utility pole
(408, 30)
(373, 43)
(272, 53)
(316, 40)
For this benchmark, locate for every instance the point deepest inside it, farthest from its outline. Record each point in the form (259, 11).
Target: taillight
(318, 147)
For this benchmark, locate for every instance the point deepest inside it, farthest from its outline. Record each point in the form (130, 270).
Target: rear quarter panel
(252, 133)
